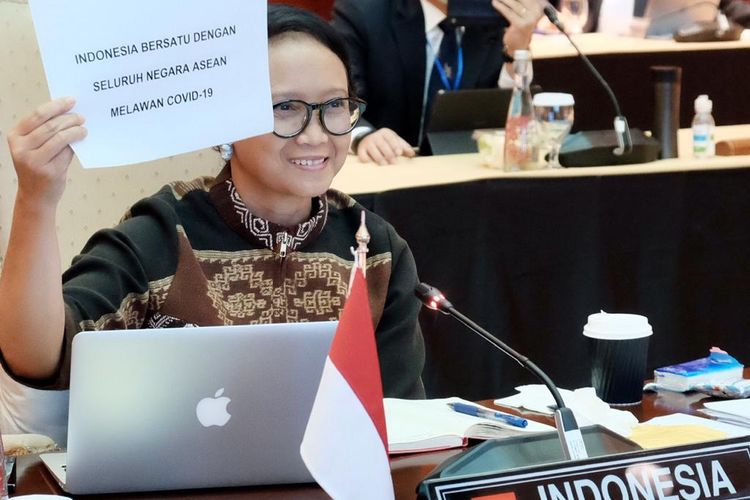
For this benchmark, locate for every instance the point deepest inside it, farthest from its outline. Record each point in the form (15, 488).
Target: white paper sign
(157, 78)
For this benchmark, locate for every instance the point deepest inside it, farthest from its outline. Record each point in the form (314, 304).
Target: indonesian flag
(345, 446)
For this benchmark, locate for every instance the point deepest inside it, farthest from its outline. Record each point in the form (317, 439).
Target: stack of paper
(733, 411)
(584, 403)
(430, 424)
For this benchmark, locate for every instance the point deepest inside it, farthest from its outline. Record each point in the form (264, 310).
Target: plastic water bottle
(521, 136)
(704, 145)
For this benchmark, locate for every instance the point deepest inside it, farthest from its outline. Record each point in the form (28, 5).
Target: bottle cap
(521, 54)
(553, 99)
(703, 104)
(617, 326)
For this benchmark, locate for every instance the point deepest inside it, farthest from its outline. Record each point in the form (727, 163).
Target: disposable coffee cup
(618, 349)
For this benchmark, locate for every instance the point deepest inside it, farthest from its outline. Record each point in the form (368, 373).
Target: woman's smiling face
(277, 175)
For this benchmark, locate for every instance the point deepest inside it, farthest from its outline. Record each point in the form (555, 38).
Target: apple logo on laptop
(213, 411)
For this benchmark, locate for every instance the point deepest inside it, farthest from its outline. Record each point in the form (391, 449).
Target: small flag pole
(360, 253)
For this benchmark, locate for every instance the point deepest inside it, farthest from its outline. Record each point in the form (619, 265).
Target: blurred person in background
(396, 48)
(737, 11)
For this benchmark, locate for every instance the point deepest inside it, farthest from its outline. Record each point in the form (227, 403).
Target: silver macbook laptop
(666, 17)
(180, 408)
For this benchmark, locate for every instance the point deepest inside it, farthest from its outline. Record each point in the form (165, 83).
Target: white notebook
(430, 424)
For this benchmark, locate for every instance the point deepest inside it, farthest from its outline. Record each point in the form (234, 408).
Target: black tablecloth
(718, 73)
(529, 259)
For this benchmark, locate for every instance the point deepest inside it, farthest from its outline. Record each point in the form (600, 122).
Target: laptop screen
(192, 407)
(470, 109)
(457, 114)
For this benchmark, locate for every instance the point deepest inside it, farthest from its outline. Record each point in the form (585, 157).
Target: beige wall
(94, 198)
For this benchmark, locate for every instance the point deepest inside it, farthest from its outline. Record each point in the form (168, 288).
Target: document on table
(154, 79)
(679, 429)
(735, 411)
(587, 407)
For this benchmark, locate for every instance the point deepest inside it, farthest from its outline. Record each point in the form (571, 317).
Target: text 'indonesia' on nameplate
(155, 79)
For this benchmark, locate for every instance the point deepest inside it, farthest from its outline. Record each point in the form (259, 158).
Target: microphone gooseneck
(567, 428)
(434, 299)
(622, 130)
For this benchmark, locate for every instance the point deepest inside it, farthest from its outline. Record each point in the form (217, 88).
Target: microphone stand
(565, 422)
(622, 130)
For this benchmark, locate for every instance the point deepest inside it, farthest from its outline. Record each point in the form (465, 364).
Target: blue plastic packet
(718, 369)
(732, 390)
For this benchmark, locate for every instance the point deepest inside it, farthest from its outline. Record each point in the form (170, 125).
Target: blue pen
(489, 414)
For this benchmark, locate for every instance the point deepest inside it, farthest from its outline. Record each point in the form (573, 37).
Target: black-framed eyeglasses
(338, 116)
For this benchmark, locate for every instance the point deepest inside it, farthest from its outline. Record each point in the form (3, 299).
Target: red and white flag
(345, 446)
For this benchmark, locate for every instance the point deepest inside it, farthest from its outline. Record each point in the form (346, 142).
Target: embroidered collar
(260, 231)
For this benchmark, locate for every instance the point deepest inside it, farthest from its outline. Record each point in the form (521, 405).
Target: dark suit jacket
(386, 42)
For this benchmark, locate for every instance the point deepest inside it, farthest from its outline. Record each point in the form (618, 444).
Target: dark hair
(285, 19)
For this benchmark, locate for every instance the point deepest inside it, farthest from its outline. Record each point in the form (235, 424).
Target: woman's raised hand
(40, 149)
(30, 279)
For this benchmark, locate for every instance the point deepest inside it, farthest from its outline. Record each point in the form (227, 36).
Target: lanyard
(459, 68)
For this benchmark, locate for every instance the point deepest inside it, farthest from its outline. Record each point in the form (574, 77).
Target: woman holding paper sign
(264, 241)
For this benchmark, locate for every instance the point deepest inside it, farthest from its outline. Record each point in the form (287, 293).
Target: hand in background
(383, 146)
(40, 149)
(523, 16)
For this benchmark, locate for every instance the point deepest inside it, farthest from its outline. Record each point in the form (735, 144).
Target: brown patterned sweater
(192, 254)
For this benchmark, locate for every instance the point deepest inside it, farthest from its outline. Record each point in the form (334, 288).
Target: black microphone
(567, 428)
(622, 131)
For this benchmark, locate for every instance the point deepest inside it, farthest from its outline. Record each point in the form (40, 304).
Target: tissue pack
(717, 367)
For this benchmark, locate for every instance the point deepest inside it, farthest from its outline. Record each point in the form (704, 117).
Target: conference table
(707, 68)
(407, 470)
(529, 255)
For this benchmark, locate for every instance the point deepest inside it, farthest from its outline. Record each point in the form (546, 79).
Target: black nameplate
(719, 469)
